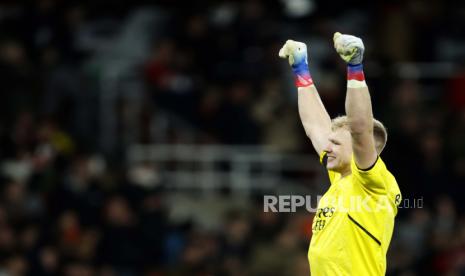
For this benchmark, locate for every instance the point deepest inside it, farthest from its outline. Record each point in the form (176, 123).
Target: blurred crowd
(68, 209)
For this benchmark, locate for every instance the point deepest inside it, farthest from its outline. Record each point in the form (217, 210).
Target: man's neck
(346, 173)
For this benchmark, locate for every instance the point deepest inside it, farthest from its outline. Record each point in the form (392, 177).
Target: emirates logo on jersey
(321, 217)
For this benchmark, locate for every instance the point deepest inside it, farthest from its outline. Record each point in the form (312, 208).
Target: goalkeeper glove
(349, 47)
(351, 50)
(296, 53)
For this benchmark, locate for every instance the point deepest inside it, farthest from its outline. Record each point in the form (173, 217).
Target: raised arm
(315, 119)
(358, 102)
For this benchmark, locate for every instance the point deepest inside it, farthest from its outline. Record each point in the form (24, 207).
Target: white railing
(240, 169)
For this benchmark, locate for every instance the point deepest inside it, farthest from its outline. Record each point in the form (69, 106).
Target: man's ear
(378, 146)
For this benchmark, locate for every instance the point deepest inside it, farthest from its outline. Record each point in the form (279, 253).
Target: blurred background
(139, 137)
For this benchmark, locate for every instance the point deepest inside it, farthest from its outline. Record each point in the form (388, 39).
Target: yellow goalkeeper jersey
(353, 225)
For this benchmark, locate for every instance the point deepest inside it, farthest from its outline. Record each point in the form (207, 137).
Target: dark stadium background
(139, 137)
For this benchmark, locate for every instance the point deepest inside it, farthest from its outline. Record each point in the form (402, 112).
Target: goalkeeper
(353, 226)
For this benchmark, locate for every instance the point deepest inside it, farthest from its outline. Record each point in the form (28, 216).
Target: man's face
(339, 150)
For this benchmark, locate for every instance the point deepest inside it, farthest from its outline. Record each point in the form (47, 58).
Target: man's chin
(331, 167)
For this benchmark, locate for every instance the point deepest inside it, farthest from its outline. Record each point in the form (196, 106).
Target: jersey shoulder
(377, 178)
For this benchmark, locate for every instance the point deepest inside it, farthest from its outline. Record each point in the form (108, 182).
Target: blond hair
(379, 130)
